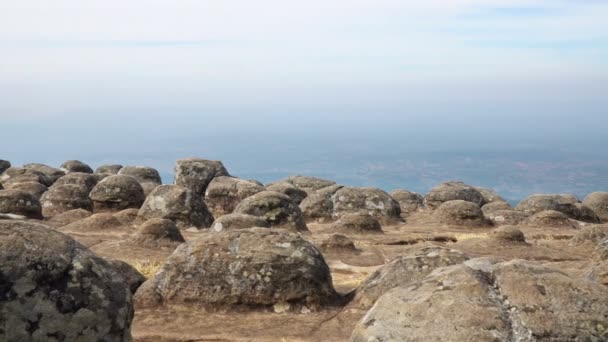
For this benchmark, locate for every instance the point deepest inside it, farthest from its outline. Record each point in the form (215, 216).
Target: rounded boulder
(185, 207)
(117, 192)
(276, 208)
(224, 193)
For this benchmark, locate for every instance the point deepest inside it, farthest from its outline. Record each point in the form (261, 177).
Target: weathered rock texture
(181, 205)
(148, 177)
(278, 209)
(451, 191)
(318, 206)
(306, 183)
(238, 221)
(224, 194)
(51, 174)
(157, 233)
(61, 198)
(505, 217)
(196, 174)
(372, 201)
(4, 164)
(550, 218)
(460, 213)
(20, 203)
(75, 166)
(409, 201)
(117, 192)
(293, 191)
(598, 202)
(564, 203)
(33, 188)
(360, 223)
(111, 169)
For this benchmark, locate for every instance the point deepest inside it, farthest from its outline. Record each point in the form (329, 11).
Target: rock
(372, 201)
(357, 223)
(306, 183)
(602, 250)
(238, 221)
(296, 194)
(68, 217)
(62, 198)
(450, 191)
(251, 268)
(318, 206)
(480, 301)
(278, 209)
(97, 223)
(52, 174)
(598, 202)
(593, 234)
(224, 193)
(111, 169)
(33, 188)
(53, 288)
(20, 203)
(495, 206)
(404, 271)
(21, 175)
(564, 203)
(550, 218)
(506, 217)
(157, 233)
(409, 201)
(337, 242)
(460, 213)
(148, 177)
(508, 234)
(75, 166)
(115, 193)
(83, 180)
(185, 207)
(132, 278)
(127, 216)
(598, 273)
(4, 164)
(196, 174)
(490, 196)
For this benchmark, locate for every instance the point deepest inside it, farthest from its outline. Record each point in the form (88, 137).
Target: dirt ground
(349, 268)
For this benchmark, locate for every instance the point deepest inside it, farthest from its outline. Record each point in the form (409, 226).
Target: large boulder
(495, 206)
(508, 235)
(4, 164)
(489, 195)
(293, 191)
(405, 270)
(253, 268)
(55, 289)
(598, 202)
(117, 192)
(318, 206)
(33, 188)
(306, 183)
(84, 180)
(238, 221)
(20, 175)
(157, 233)
(451, 191)
(564, 203)
(550, 219)
(278, 209)
(358, 223)
(460, 213)
(373, 201)
(61, 198)
(409, 201)
(148, 177)
(19, 203)
(505, 217)
(51, 173)
(132, 277)
(111, 169)
(196, 174)
(481, 301)
(75, 166)
(224, 193)
(184, 206)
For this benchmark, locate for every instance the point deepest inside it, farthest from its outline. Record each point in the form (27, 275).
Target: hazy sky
(124, 74)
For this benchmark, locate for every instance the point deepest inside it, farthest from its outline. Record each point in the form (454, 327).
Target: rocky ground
(115, 253)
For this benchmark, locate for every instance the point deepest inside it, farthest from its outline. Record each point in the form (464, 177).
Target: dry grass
(468, 236)
(147, 267)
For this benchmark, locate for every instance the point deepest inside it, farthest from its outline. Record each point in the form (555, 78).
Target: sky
(117, 79)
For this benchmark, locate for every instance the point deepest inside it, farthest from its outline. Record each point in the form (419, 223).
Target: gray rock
(51, 173)
(508, 234)
(250, 268)
(505, 217)
(460, 213)
(278, 209)
(185, 207)
(115, 193)
(127, 216)
(157, 233)
(319, 206)
(598, 202)
(132, 278)
(593, 234)
(450, 191)
(19, 203)
(75, 166)
(372, 201)
(238, 221)
(21, 175)
(495, 206)
(306, 183)
(405, 270)
(360, 223)
(295, 193)
(409, 201)
(196, 174)
(55, 289)
(224, 193)
(111, 169)
(83, 180)
(489, 195)
(337, 243)
(551, 219)
(33, 188)
(564, 203)
(509, 301)
(4, 164)
(148, 177)
(61, 198)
